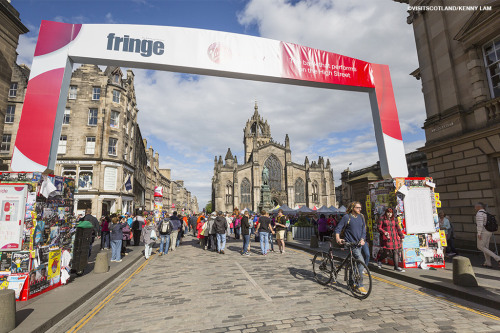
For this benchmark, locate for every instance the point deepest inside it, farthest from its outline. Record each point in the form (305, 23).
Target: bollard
(101, 263)
(289, 236)
(314, 241)
(463, 274)
(8, 312)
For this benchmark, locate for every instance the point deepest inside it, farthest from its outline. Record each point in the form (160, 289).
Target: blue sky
(190, 119)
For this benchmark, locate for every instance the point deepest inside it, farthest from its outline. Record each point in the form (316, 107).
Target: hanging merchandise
(415, 204)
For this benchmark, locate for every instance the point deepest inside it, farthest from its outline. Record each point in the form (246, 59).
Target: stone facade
(10, 29)
(459, 65)
(239, 185)
(101, 145)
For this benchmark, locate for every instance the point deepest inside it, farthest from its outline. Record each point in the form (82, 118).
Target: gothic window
(299, 191)
(274, 166)
(229, 193)
(255, 129)
(315, 196)
(246, 198)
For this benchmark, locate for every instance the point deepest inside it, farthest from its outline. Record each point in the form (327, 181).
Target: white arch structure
(193, 51)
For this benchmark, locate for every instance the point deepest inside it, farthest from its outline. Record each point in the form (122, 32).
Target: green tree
(208, 207)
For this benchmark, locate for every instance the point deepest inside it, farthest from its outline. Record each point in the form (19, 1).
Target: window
(116, 78)
(9, 115)
(85, 178)
(229, 193)
(299, 191)
(90, 145)
(274, 166)
(13, 89)
(69, 171)
(114, 120)
(116, 96)
(315, 197)
(112, 146)
(5, 147)
(72, 92)
(492, 60)
(92, 117)
(246, 197)
(67, 113)
(125, 151)
(61, 149)
(110, 178)
(96, 93)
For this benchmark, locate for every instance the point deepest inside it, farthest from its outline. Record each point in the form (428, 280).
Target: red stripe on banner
(305, 63)
(386, 103)
(55, 35)
(34, 136)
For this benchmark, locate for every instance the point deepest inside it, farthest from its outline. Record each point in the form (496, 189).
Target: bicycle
(327, 267)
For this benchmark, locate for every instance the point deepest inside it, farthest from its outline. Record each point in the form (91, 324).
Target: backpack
(166, 227)
(491, 223)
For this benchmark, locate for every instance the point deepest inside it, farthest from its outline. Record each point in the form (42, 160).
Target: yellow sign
(436, 196)
(438, 204)
(442, 236)
(54, 267)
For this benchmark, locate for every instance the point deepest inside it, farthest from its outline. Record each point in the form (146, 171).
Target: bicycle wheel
(322, 268)
(355, 277)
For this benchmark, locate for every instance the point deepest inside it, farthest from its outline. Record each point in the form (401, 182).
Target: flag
(128, 184)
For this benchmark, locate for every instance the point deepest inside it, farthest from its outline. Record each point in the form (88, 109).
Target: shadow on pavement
(301, 274)
(21, 315)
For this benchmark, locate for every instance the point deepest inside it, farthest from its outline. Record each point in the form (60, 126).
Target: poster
(411, 249)
(20, 262)
(4, 282)
(54, 266)
(419, 216)
(5, 261)
(12, 205)
(16, 283)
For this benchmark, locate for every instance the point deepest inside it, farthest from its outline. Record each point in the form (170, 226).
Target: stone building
(239, 185)
(10, 29)
(459, 66)
(101, 145)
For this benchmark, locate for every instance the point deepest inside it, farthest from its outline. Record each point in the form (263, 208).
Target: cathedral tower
(256, 131)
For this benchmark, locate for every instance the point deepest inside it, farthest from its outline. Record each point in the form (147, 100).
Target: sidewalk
(441, 279)
(42, 312)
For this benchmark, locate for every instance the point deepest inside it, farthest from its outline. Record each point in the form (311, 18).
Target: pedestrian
(220, 227)
(237, 223)
(193, 224)
(280, 230)
(353, 225)
(95, 227)
(116, 238)
(264, 228)
(483, 235)
(148, 236)
(322, 227)
(200, 228)
(126, 235)
(391, 238)
(176, 227)
(271, 234)
(164, 230)
(105, 233)
(137, 225)
(185, 224)
(230, 225)
(245, 232)
(212, 238)
(444, 224)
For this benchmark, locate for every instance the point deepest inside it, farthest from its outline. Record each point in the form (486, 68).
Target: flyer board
(12, 205)
(418, 211)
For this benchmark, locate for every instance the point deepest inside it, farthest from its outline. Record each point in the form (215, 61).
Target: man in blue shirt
(355, 232)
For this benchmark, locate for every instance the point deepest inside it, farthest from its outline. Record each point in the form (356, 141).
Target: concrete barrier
(289, 236)
(101, 263)
(8, 310)
(314, 241)
(463, 274)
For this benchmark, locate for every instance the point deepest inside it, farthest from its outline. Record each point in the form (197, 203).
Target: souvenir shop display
(36, 232)
(415, 206)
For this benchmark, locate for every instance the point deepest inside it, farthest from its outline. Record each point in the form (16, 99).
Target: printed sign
(12, 205)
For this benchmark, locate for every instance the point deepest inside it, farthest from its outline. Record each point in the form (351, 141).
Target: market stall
(415, 205)
(36, 232)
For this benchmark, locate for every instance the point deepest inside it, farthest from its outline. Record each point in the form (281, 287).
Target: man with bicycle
(353, 226)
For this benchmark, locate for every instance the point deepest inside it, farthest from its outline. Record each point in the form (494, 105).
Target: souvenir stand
(36, 232)
(415, 205)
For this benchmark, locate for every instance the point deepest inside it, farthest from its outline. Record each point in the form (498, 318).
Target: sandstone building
(239, 185)
(459, 66)
(101, 145)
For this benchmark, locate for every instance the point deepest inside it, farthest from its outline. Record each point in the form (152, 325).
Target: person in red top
(391, 237)
(199, 228)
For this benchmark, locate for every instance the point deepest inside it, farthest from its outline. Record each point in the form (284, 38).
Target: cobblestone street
(195, 290)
